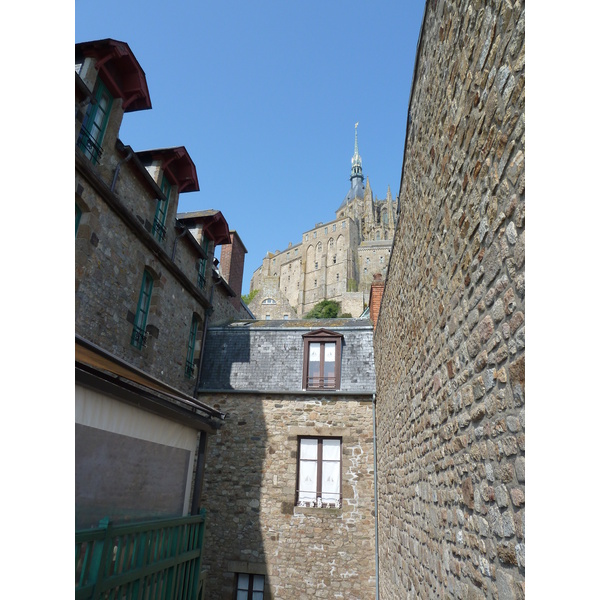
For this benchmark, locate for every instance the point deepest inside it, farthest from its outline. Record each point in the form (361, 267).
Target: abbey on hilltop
(334, 261)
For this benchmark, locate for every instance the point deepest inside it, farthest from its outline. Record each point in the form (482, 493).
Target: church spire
(356, 161)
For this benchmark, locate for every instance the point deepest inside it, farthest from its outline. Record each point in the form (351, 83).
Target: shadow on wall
(234, 553)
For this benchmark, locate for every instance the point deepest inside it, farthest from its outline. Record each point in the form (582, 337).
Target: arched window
(269, 301)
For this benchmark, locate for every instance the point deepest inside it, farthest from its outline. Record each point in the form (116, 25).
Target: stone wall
(450, 342)
(253, 525)
(110, 261)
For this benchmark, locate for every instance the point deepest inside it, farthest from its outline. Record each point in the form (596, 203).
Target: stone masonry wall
(253, 525)
(109, 265)
(450, 342)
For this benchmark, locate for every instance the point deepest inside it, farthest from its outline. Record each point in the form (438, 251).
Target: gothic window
(330, 243)
(378, 236)
(384, 216)
(319, 247)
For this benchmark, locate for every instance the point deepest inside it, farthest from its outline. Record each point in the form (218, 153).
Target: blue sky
(264, 95)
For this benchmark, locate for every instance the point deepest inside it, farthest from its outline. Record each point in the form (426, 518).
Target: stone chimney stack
(232, 265)
(375, 298)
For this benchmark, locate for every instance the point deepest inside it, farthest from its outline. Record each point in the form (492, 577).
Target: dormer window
(269, 301)
(322, 360)
(202, 262)
(94, 123)
(160, 216)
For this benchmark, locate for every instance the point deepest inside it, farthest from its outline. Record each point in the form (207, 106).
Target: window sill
(315, 511)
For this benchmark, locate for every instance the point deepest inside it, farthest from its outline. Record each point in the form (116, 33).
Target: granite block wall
(253, 525)
(110, 260)
(450, 341)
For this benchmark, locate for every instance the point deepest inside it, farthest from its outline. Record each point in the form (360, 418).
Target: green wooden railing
(153, 560)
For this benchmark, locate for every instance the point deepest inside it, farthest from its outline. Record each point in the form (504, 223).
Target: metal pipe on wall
(376, 510)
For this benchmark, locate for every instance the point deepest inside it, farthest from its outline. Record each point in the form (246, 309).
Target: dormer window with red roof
(94, 123)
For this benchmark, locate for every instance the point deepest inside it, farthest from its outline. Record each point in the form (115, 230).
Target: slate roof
(267, 356)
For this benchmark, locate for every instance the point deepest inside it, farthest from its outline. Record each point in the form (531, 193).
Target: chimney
(375, 298)
(232, 265)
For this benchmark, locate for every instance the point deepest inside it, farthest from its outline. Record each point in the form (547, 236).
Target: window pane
(242, 595)
(314, 352)
(243, 581)
(308, 449)
(259, 583)
(307, 482)
(330, 352)
(330, 485)
(257, 595)
(331, 449)
(329, 375)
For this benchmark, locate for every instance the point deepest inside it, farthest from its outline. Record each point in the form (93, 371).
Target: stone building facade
(140, 305)
(333, 261)
(261, 527)
(450, 340)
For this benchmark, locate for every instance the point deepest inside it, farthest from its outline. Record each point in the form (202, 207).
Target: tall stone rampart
(450, 341)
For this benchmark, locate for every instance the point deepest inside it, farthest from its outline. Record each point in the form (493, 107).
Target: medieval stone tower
(333, 261)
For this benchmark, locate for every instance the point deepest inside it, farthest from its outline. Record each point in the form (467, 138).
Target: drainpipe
(175, 242)
(207, 314)
(376, 509)
(114, 181)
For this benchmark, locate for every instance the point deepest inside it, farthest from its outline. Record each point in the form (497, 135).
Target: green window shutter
(77, 218)
(201, 272)
(160, 215)
(94, 123)
(138, 335)
(189, 361)
(202, 263)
